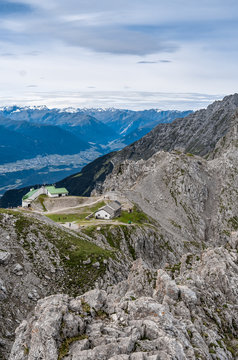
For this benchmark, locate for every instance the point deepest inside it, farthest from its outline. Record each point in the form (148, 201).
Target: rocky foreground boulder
(188, 311)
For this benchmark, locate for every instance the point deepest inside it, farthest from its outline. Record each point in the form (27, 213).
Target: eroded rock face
(187, 313)
(193, 200)
(197, 133)
(33, 266)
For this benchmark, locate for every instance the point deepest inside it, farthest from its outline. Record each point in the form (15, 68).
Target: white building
(109, 211)
(31, 196)
(50, 191)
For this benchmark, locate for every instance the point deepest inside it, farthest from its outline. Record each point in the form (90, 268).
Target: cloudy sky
(177, 54)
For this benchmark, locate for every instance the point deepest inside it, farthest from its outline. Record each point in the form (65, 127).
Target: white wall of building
(102, 214)
(52, 195)
(25, 203)
(34, 196)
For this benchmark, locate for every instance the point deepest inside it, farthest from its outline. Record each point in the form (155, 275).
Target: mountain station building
(50, 191)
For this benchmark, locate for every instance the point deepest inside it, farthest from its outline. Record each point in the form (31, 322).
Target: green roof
(54, 190)
(25, 197)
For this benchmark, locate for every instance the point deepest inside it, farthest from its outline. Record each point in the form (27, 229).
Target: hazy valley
(41, 145)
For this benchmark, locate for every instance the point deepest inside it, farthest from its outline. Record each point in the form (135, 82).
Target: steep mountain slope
(197, 133)
(37, 139)
(11, 148)
(39, 258)
(193, 200)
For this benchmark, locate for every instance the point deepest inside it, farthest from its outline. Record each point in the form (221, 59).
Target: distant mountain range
(95, 125)
(40, 134)
(198, 133)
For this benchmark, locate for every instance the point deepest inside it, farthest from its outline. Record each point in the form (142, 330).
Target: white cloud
(76, 46)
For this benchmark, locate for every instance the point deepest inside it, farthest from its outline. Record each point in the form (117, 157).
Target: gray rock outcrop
(4, 257)
(39, 258)
(187, 314)
(193, 200)
(197, 133)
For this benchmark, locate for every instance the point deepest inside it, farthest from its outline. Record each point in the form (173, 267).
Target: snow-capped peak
(70, 110)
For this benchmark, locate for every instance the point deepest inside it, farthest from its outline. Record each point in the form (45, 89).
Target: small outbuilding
(52, 191)
(109, 211)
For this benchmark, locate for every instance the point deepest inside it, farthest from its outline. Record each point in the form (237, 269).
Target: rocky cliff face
(185, 312)
(192, 199)
(197, 133)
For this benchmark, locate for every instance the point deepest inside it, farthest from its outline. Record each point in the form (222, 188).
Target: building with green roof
(50, 191)
(29, 194)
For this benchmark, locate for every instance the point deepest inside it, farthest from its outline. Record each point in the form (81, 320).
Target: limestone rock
(18, 269)
(182, 318)
(4, 257)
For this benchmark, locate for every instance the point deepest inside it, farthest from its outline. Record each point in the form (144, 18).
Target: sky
(177, 54)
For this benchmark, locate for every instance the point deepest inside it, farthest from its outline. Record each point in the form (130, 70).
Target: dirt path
(78, 226)
(74, 207)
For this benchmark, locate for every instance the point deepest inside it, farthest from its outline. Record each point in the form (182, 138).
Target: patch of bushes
(136, 216)
(41, 199)
(173, 268)
(85, 306)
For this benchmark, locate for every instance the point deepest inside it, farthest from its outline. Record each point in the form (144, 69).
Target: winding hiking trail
(74, 207)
